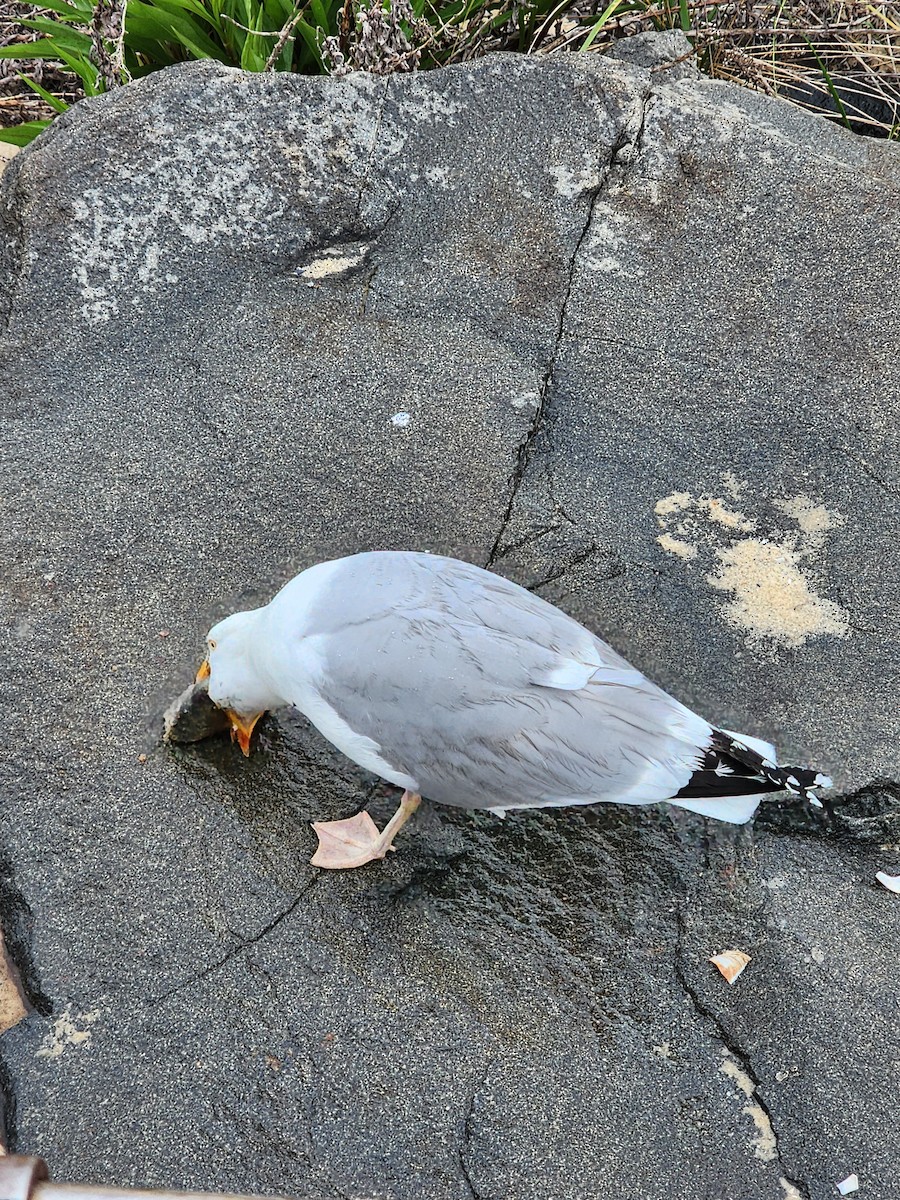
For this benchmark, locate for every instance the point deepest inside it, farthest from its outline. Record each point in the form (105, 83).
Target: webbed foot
(350, 843)
(357, 840)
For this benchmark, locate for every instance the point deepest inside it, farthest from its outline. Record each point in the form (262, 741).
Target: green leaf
(73, 41)
(143, 56)
(320, 16)
(201, 11)
(251, 57)
(53, 101)
(311, 37)
(72, 12)
(151, 23)
(21, 135)
(43, 48)
(278, 13)
(83, 68)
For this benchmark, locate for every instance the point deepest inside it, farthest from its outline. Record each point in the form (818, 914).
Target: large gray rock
(624, 334)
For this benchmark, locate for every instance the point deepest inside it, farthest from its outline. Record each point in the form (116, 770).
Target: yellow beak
(242, 729)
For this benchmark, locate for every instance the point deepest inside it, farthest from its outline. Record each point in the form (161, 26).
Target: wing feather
(486, 694)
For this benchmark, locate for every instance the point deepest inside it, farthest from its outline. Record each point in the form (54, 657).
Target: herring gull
(455, 684)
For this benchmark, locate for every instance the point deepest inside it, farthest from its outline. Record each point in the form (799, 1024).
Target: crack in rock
(738, 1067)
(524, 453)
(236, 949)
(526, 446)
(467, 1139)
(370, 157)
(876, 478)
(577, 560)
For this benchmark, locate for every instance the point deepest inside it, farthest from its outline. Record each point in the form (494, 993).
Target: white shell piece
(730, 963)
(891, 882)
(848, 1185)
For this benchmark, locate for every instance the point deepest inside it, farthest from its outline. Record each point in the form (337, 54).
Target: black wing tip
(752, 767)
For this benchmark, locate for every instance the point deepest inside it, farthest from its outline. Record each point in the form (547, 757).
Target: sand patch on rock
(770, 579)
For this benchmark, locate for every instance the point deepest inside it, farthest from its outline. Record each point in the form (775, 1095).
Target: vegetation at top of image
(841, 57)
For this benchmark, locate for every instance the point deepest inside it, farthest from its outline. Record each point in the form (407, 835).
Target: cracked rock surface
(617, 331)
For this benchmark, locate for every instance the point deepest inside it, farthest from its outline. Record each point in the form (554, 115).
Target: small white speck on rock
(848, 1185)
(400, 420)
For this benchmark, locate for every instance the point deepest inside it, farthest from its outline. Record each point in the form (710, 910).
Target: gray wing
(488, 696)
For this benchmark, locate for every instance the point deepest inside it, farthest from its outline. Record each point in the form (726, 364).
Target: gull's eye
(212, 643)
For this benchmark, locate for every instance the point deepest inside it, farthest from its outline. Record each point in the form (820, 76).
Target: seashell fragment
(891, 882)
(848, 1185)
(730, 963)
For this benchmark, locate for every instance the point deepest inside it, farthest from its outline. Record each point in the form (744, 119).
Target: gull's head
(235, 684)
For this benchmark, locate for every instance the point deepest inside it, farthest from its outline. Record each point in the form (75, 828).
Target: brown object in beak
(242, 729)
(193, 716)
(202, 672)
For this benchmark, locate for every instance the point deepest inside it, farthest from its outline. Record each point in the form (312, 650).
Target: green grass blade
(320, 16)
(252, 58)
(83, 68)
(829, 83)
(69, 11)
(44, 48)
(312, 40)
(190, 9)
(277, 13)
(76, 41)
(145, 55)
(606, 16)
(152, 23)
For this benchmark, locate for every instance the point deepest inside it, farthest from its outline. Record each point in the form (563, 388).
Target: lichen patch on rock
(772, 598)
(676, 546)
(331, 264)
(815, 520)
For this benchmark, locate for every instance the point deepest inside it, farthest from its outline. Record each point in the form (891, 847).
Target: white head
(235, 682)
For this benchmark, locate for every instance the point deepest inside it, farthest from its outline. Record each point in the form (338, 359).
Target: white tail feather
(765, 749)
(736, 810)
